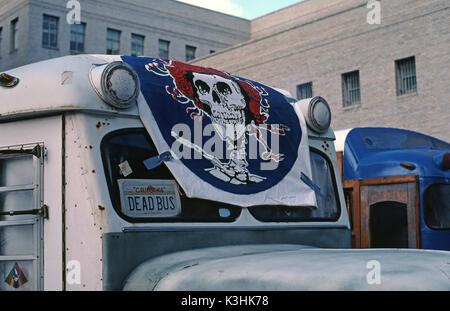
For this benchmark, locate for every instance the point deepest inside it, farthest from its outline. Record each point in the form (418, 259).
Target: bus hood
(293, 267)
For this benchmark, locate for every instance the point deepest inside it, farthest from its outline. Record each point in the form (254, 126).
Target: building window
(304, 90)
(163, 49)
(137, 45)
(50, 32)
(77, 37)
(405, 71)
(190, 52)
(212, 51)
(112, 42)
(351, 93)
(14, 34)
(1, 33)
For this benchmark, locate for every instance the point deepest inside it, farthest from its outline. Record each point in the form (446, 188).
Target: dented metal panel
(292, 267)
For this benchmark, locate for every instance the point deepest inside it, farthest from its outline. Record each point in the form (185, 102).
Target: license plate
(142, 198)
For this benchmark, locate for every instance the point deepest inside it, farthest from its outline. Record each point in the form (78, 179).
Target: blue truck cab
(397, 185)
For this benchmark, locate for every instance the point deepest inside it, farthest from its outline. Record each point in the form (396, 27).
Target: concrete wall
(10, 10)
(298, 14)
(319, 40)
(177, 22)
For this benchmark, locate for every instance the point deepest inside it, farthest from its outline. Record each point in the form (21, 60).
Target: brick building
(395, 73)
(35, 30)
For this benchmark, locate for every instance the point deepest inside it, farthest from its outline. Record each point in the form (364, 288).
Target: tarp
(232, 140)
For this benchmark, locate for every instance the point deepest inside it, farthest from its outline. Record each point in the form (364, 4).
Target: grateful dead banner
(231, 139)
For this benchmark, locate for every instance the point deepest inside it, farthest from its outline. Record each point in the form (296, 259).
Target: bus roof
(59, 84)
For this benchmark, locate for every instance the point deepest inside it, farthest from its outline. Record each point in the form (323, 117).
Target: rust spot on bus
(101, 216)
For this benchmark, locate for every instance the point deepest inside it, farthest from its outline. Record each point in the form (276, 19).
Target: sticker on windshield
(143, 198)
(125, 168)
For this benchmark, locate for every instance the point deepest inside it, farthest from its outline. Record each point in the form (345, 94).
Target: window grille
(351, 93)
(406, 76)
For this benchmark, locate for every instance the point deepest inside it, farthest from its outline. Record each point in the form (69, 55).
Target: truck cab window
(437, 206)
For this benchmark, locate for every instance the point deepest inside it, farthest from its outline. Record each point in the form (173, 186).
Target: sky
(248, 9)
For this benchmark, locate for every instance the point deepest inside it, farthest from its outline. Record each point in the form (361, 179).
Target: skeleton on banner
(230, 103)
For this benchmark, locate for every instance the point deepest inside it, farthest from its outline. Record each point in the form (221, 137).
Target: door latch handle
(43, 212)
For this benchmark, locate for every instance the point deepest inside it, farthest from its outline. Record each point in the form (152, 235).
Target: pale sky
(248, 9)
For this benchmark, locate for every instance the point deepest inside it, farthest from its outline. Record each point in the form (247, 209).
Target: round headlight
(116, 83)
(319, 114)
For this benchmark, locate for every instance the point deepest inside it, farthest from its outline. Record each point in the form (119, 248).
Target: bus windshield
(133, 146)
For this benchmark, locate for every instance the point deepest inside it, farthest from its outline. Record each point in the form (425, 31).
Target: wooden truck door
(21, 217)
(384, 212)
(389, 213)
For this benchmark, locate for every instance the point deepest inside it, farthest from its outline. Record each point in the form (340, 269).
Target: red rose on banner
(255, 102)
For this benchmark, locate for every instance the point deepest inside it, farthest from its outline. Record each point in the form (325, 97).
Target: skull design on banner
(235, 107)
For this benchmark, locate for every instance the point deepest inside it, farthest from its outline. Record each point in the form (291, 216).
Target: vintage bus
(94, 196)
(397, 187)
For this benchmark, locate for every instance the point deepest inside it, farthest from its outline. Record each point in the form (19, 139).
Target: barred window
(14, 34)
(304, 90)
(50, 32)
(163, 49)
(1, 33)
(77, 37)
(190, 52)
(112, 42)
(137, 45)
(351, 94)
(405, 70)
